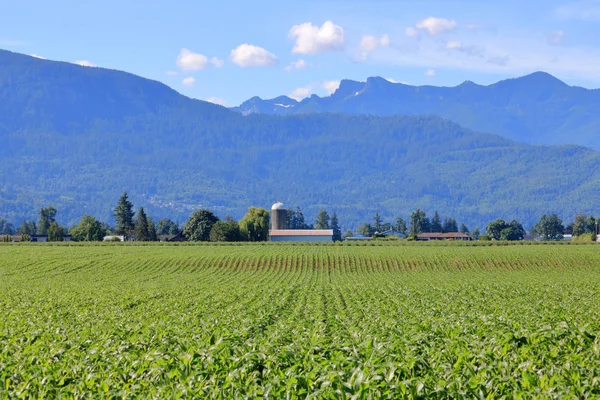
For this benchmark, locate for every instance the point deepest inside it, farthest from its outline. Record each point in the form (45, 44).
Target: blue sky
(229, 51)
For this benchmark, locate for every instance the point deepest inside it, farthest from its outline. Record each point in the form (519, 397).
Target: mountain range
(535, 109)
(76, 137)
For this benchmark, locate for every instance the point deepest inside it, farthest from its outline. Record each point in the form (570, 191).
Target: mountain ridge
(77, 138)
(537, 108)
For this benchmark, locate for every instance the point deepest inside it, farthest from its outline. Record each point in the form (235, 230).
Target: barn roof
(301, 232)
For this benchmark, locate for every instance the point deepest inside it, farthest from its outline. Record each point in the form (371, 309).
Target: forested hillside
(76, 138)
(535, 109)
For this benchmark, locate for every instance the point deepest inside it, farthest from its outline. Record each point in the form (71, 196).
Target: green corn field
(297, 321)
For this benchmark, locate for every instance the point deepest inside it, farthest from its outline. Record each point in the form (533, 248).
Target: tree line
(204, 225)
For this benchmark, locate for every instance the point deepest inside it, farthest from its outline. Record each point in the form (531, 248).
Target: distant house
(301, 235)
(44, 238)
(358, 238)
(172, 238)
(113, 238)
(443, 236)
(393, 233)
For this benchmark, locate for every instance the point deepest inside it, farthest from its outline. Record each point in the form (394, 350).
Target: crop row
(293, 321)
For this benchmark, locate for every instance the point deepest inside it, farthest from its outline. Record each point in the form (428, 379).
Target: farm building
(443, 236)
(279, 231)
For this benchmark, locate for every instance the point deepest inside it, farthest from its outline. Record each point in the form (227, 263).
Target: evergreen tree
(322, 221)
(580, 225)
(27, 228)
(141, 232)
(449, 225)
(225, 232)
(401, 225)
(337, 232)
(436, 223)
(55, 232)
(47, 217)
(590, 223)
(124, 215)
(464, 229)
(167, 227)
(377, 225)
(299, 222)
(419, 223)
(6, 227)
(153, 237)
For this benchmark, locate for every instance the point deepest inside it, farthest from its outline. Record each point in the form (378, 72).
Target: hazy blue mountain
(535, 109)
(77, 137)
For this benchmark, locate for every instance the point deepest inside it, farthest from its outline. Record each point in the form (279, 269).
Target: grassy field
(289, 321)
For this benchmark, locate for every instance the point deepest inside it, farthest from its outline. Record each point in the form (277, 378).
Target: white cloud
(172, 73)
(189, 81)
(412, 32)
(218, 100)
(430, 72)
(217, 62)
(247, 55)
(331, 86)
(299, 64)
(454, 44)
(301, 92)
(311, 39)
(85, 63)
(36, 56)
(369, 43)
(555, 38)
(187, 60)
(435, 26)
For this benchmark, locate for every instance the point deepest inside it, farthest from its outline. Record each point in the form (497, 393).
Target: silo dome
(277, 206)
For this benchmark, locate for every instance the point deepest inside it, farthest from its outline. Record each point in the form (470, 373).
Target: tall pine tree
(436, 223)
(337, 232)
(124, 215)
(322, 221)
(141, 232)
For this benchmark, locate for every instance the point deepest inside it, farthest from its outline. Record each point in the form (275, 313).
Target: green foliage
(141, 231)
(47, 217)
(88, 230)
(27, 228)
(254, 227)
(225, 232)
(197, 227)
(348, 234)
(335, 226)
(436, 223)
(6, 238)
(475, 234)
(299, 321)
(419, 223)
(123, 214)
(56, 233)
(6, 228)
(401, 225)
(449, 225)
(550, 227)
(25, 238)
(322, 221)
(500, 230)
(167, 227)
(580, 226)
(485, 238)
